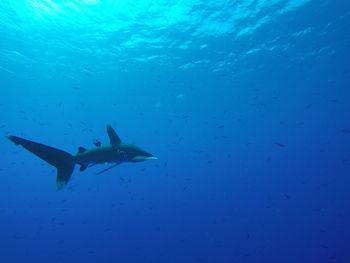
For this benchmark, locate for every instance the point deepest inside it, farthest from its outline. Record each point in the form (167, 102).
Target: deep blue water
(246, 104)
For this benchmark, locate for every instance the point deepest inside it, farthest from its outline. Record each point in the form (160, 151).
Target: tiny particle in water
(180, 96)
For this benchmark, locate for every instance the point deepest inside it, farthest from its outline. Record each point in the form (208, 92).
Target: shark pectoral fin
(111, 167)
(83, 167)
(113, 137)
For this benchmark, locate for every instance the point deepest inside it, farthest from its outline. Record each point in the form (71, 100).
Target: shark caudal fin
(64, 162)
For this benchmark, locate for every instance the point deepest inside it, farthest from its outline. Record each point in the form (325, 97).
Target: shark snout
(143, 156)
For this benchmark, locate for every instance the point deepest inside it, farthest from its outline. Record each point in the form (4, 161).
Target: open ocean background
(246, 103)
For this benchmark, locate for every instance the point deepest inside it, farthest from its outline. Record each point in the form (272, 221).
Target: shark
(115, 153)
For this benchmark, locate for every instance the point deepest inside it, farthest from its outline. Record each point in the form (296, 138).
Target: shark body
(116, 152)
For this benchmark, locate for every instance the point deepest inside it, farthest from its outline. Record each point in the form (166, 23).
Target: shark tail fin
(63, 161)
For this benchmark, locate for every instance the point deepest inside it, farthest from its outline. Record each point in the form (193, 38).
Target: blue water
(246, 104)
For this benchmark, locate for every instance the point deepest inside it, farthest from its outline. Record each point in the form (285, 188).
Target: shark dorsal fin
(81, 149)
(113, 137)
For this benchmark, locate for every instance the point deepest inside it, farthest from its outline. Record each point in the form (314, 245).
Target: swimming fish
(116, 152)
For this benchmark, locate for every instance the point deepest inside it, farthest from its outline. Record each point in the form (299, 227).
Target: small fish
(280, 144)
(345, 131)
(97, 143)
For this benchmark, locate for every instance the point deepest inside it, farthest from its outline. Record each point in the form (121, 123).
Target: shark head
(135, 154)
(129, 152)
(140, 158)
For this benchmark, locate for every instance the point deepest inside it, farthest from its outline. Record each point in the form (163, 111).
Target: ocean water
(246, 104)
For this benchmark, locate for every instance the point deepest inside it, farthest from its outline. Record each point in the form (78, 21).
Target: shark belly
(100, 155)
